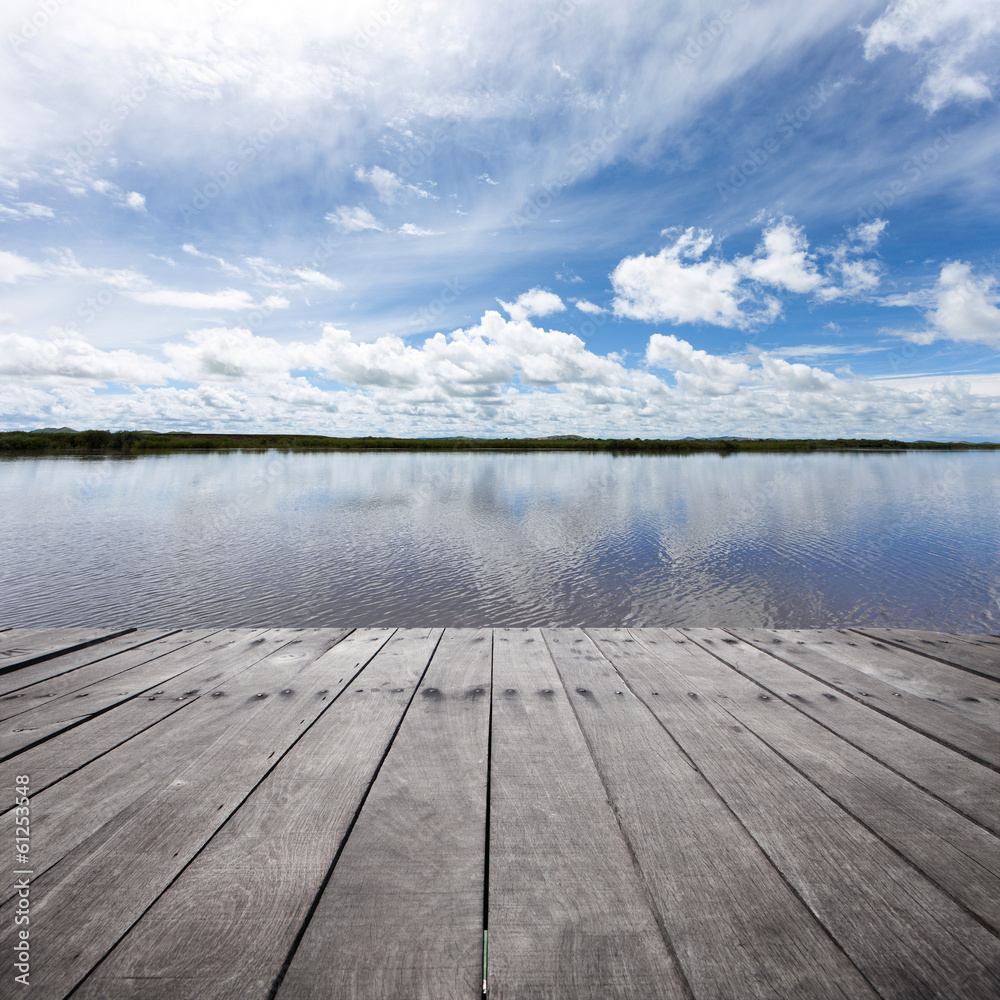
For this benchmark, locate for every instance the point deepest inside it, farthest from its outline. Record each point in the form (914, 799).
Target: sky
(754, 218)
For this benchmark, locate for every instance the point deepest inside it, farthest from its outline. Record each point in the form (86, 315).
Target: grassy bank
(115, 443)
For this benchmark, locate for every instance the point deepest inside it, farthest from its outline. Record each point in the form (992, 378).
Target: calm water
(534, 539)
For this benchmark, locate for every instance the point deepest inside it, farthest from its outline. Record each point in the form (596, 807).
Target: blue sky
(508, 218)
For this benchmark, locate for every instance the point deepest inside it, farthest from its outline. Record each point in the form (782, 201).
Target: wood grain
(72, 671)
(983, 659)
(151, 666)
(969, 695)
(106, 883)
(905, 935)
(973, 739)
(231, 918)
(402, 913)
(961, 857)
(568, 913)
(21, 648)
(736, 927)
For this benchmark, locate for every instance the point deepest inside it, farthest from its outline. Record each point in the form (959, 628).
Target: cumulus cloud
(782, 259)
(66, 357)
(535, 302)
(964, 308)
(498, 376)
(354, 220)
(683, 283)
(955, 40)
(135, 201)
(592, 308)
(679, 285)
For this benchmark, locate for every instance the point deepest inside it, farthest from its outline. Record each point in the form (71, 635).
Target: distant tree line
(123, 443)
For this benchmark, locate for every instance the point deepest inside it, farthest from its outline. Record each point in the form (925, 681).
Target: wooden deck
(606, 813)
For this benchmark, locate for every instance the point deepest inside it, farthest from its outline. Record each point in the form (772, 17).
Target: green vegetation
(63, 441)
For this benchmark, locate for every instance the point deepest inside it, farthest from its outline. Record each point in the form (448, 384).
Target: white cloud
(535, 302)
(65, 357)
(592, 308)
(486, 179)
(678, 286)
(705, 373)
(135, 201)
(782, 259)
(14, 268)
(229, 299)
(499, 376)
(965, 308)
(311, 277)
(26, 210)
(955, 40)
(354, 220)
(409, 229)
(389, 188)
(683, 285)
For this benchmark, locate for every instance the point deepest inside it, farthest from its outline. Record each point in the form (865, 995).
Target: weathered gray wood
(737, 929)
(216, 657)
(192, 713)
(936, 721)
(966, 785)
(21, 649)
(258, 876)
(906, 936)
(981, 659)
(70, 671)
(568, 913)
(402, 914)
(967, 694)
(151, 666)
(957, 854)
(105, 884)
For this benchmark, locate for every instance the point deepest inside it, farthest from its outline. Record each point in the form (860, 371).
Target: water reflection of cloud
(558, 539)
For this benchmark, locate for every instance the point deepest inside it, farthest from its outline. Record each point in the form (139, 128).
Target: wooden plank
(151, 739)
(736, 927)
(402, 914)
(19, 650)
(906, 936)
(568, 913)
(957, 854)
(106, 883)
(60, 674)
(983, 660)
(970, 696)
(151, 666)
(258, 876)
(970, 738)
(215, 656)
(969, 787)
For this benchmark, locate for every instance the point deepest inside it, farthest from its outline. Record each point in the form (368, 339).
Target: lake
(475, 539)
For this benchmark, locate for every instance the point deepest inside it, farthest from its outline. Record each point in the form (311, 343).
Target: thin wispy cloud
(554, 219)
